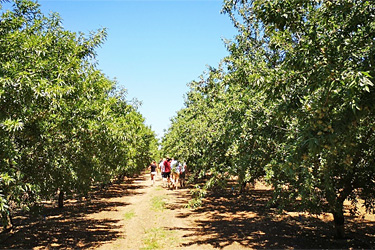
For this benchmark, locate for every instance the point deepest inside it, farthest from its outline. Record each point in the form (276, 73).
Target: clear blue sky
(154, 48)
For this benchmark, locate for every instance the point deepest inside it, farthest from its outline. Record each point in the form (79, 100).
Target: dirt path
(136, 215)
(151, 217)
(155, 217)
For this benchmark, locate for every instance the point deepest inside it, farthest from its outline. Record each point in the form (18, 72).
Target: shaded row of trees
(63, 124)
(293, 104)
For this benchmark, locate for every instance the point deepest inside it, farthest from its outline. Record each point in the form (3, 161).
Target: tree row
(64, 126)
(293, 104)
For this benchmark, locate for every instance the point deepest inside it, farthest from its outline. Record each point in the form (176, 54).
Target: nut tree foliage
(294, 103)
(63, 125)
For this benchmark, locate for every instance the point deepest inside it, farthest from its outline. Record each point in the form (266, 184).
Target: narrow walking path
(154, 217)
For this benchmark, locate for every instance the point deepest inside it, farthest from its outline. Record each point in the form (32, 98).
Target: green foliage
(159, 238)
(158, 203)
(197, 194)
(129, 215)
(293, 103)
(63, 125)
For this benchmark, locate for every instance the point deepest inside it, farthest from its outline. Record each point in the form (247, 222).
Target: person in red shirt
(167, 170)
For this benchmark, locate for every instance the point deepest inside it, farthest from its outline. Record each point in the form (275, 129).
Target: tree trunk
(10, 218)
(339, 221)
(241, 182)
(7, 220)
(243, 187)
(61, 199)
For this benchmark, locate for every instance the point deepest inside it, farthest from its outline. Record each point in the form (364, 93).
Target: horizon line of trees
(293, 104)
(64, 126)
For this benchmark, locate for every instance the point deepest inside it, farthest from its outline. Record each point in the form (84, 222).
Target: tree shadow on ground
(63, 233)
(230, 218)
(70, 227)
(127, 186)
(118, 190)
(179, 201)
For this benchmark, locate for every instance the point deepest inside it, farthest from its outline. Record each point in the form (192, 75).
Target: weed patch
(158, 203)
(159, 238)
(129, 215)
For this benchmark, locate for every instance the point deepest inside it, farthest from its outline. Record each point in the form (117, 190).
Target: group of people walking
(173, 172)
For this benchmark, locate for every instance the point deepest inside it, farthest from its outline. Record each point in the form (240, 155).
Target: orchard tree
(319, 74)
(215, 133)
(63, 126)
(294, 101)
(45, 70)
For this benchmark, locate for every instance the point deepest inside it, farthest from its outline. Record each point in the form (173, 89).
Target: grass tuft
(159, 238)
(129, 215)
(158, 203)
